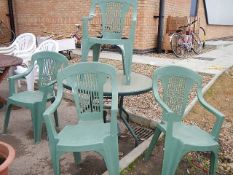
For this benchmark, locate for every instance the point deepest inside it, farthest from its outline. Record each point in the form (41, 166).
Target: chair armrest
(52, 83)
(6, 48)
(85, 21)
(219, 116)
(13, 78)
(10, 50)
(48, 117)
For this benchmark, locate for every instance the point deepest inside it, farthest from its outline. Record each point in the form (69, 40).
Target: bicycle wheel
(202, 36)
(177, 45)
(6, 34)
(197, 44)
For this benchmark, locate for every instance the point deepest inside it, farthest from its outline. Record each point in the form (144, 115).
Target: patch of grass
(129, 169)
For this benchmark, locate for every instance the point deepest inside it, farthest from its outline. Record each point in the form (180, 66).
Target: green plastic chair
(91, 133)
(181, 138)
(48, 65)
(113, 13)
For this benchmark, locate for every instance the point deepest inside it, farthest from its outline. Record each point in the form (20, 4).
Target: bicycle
(7, 36)
(76, 35)
(184, 40)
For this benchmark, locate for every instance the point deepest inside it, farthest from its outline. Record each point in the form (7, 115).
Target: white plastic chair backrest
(26, 42)
(47, 45)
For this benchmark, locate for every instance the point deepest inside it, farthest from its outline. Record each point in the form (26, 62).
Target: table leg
(2, 75)
(126, 121)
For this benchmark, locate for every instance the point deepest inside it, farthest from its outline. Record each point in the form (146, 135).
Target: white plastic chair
(48, 45)
(23, 46)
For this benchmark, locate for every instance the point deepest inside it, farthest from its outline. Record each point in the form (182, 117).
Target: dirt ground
(220, 95)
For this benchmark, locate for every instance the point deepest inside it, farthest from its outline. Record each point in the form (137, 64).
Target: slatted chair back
(113, 15)
(26, 42)
(48, 45)
(48, 64)
(176, 84)
(87, 88)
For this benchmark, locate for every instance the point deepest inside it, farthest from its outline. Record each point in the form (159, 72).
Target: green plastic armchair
(113, 14)
(48, 65)
(90, 133)
(181, 138)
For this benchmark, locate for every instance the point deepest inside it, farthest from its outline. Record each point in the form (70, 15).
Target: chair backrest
(47, 45)
(173, 84)
(48, 63)
(87, 81)
(113, 14)
(26, 42)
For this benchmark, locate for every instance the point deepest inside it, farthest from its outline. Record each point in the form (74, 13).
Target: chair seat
(27, 97)
(78, 136)
(107, 41)
(192, 135)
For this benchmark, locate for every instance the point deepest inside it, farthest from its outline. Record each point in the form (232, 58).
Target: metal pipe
(11, 16)
(160, 26)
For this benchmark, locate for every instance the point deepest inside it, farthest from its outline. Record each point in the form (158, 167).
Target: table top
(9, 60)
(139, 84)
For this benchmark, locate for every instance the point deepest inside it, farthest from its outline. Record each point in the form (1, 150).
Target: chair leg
(18, 84)
(7, 117)
(85, 49)
(152, 143)
(213, 163)
(55, 115)
(123, 56)
(36, 115)
(30, 81)
(77, 157)
(128, 61)
(111, 157)
(55, 161)
(96, 52)
(172, 156)
(56, 119)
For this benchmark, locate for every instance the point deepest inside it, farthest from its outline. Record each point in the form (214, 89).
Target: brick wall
(5, 19)
(60, 16)
(51, 15)
(3, 11)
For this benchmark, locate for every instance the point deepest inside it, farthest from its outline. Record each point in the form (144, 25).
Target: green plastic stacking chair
(180, 138)
(90, 133)
(113, 18)
(48, 64)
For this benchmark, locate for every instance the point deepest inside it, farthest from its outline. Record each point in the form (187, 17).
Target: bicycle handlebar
(189, 24)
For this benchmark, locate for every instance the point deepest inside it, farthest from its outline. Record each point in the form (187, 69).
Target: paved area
(213, 62)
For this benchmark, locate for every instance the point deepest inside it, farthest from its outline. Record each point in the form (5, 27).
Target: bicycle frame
(187, 41)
